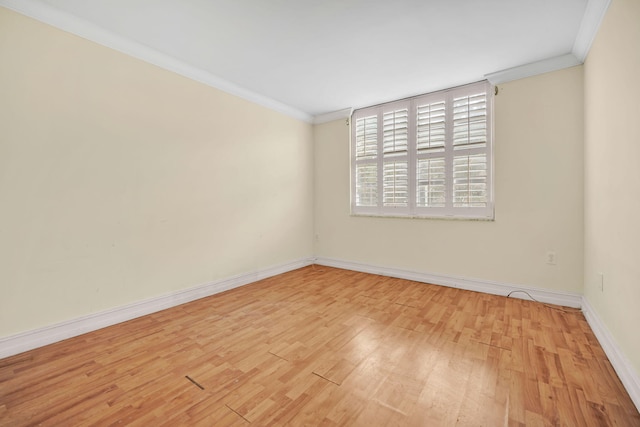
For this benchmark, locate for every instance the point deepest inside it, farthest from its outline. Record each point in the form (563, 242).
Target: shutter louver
(367, 184)
(396, 184)
(367, 137)
(395, 143)
(430, 127)
(431, 182)
(470, 121)
(395, 125)
(366, 179)
(470, 181)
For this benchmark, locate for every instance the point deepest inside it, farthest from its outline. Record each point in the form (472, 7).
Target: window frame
(412, 156)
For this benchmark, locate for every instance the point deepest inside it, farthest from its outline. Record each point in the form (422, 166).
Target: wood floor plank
(322, 346)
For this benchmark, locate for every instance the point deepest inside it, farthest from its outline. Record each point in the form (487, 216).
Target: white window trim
(413, 211)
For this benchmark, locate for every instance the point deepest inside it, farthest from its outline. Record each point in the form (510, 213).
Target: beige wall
(120, 181)
(612, 175)
(538, 191)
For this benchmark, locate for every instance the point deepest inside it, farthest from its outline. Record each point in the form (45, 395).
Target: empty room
(336, 213)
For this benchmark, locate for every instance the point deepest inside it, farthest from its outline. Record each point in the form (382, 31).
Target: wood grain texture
(326, 347)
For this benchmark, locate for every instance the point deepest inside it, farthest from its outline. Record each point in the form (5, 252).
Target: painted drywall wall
(612, 175)
(120, 181)
(538, 193)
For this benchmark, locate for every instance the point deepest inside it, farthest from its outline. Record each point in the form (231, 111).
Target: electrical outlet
(551, 258)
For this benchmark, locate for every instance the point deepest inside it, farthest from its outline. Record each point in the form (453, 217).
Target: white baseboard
(566, 299)
(627, 374)
(29, 340)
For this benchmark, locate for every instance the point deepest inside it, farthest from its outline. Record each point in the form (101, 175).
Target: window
(428, 156)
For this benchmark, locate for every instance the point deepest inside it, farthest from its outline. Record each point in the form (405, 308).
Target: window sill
(432, 217)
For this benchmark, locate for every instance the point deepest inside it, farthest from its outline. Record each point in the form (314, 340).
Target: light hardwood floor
(323, 346)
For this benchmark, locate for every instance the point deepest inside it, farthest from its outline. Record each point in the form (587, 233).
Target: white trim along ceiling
(316, 61)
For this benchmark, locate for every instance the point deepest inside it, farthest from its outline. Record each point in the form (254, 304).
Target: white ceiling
(315, 57)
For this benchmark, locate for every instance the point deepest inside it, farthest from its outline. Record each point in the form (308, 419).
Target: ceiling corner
(334, 115)
(593, 15)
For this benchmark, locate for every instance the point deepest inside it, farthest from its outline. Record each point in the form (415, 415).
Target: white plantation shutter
(470, 120)
(367, 137)
(367, 184)
(430, 126)
(395, 147)
(470, 181)
(470, 130)
(431, 164)
(428, 156)
(431, 183)
(396, 184)
(395, 131)
(366, 167)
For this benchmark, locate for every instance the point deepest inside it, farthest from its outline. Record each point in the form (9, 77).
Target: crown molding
(533, 69)
(72, 24)
(591, 20)
(334, 115)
